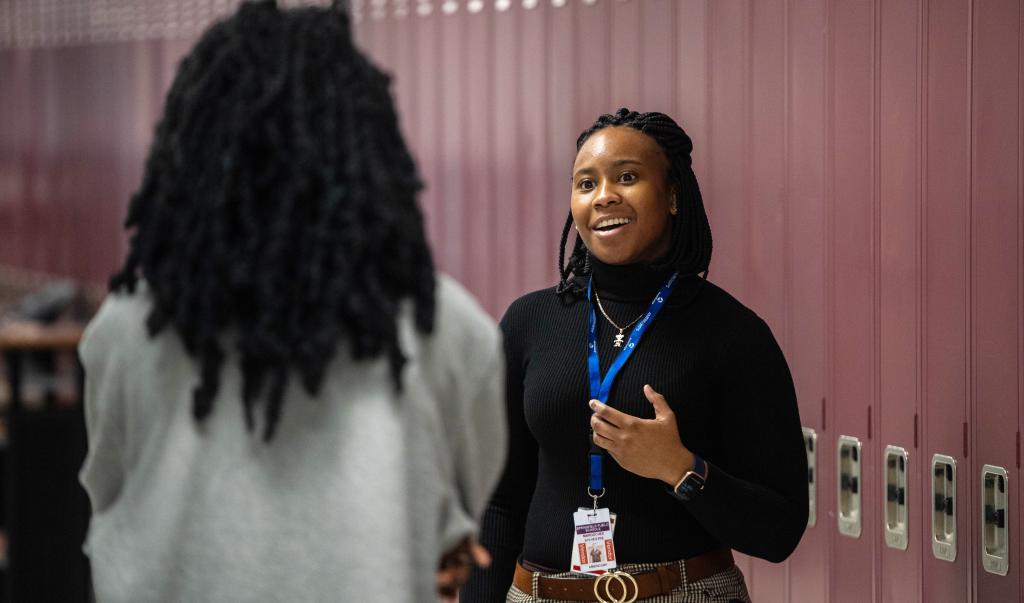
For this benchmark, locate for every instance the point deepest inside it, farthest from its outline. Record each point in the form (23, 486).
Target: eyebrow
(616, 163)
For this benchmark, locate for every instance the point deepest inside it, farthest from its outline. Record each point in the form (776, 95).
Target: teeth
(612, 222)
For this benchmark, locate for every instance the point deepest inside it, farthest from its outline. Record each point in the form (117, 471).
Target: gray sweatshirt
(354, 498)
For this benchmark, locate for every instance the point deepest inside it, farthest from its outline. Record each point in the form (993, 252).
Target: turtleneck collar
(627, 283)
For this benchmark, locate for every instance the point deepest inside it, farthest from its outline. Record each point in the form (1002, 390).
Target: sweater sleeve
(504, 521)
(479, 443)
(755, 498)
(103, 472)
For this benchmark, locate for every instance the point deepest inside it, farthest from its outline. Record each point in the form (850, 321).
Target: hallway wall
(861, 162)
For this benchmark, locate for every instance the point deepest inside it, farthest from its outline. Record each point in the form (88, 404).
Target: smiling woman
(622, 199)
(670, 447)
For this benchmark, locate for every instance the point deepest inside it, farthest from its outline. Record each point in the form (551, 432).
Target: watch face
(691, 484)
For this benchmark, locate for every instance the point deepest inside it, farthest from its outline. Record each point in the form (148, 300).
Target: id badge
(593, 550)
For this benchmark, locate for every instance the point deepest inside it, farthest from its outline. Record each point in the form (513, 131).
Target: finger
(604, 442)
(600, 426)
(617, 418)
(452, 578)
(660, 404)
(480, 555)
(446, 576)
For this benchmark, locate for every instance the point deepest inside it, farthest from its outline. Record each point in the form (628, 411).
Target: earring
(586, 263)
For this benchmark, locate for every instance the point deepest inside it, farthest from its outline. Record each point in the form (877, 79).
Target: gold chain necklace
(620, 337)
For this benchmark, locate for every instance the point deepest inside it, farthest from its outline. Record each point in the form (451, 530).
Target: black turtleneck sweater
(723, 374)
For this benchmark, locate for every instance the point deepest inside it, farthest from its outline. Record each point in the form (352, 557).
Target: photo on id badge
(593, 550)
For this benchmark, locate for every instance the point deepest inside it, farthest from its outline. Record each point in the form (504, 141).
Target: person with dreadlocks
(648, 410)
(284, 400)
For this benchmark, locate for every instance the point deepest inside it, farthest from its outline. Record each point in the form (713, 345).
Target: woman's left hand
(453, 569)
(647, 447)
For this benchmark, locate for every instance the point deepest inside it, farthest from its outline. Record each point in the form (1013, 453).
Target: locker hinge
(965, 440)
(915, 430)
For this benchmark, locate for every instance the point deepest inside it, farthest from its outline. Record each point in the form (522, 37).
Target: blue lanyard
(600, 388)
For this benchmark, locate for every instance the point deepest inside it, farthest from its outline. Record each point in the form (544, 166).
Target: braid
(277, 213)
(691, 233)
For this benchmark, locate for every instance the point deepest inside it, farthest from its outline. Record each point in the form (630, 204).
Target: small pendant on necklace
(618, 339)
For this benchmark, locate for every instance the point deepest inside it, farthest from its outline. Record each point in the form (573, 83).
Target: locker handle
(995, 549)
(896, 526)
(995, 517)
(943, 520)
(848, 471)
(896, 494)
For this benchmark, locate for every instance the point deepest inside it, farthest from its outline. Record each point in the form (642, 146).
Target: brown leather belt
(650, 583)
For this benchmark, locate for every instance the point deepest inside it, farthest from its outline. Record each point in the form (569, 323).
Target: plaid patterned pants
(724, 587)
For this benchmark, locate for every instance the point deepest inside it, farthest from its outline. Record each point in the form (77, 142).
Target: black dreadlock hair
(278, 206)
(691, 234)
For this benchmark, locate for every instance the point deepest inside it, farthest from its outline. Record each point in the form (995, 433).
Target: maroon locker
(594, 94)
(623, 48)
(725, 191)
(946, 547)
(854, 293)
(691, 65)
(657, 55)
(562, 122)
(507, 192)
(995, 183)
(477, 146)
(898, 265)
(765, 267)
(805, 266)
(538, 237)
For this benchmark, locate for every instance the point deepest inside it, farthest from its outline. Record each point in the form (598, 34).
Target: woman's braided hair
(691, 234)
(278, 207)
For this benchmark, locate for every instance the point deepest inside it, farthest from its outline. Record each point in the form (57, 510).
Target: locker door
(480, 217)
(946, 577)
(805, 228)
(765, 271)
(853, 291)
(899, 295)
(995, 221)
(726, 189)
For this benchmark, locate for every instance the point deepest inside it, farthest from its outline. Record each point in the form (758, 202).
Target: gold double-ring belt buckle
(606, 581)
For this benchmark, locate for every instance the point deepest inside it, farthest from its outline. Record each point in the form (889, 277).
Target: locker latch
(896, 519)
(943, 515)
(848, 470)
(994, 533)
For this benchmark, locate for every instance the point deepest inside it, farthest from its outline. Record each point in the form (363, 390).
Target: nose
(606, 195)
